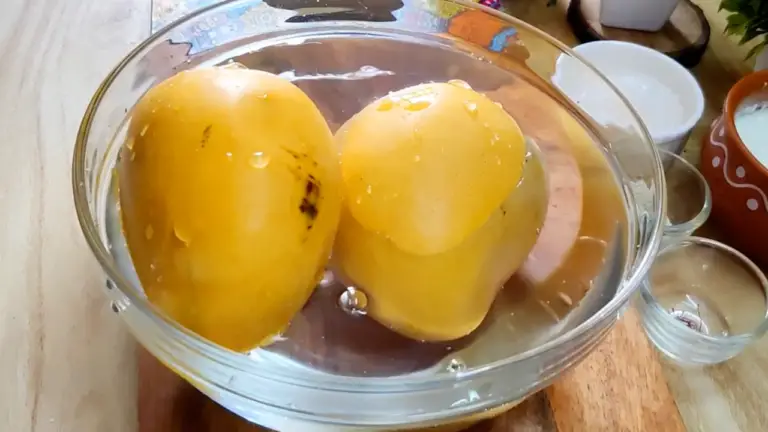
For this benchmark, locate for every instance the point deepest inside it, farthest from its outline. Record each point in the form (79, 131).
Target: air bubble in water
(327, 279)
(277, 338)
(353, 301)
(456, 365)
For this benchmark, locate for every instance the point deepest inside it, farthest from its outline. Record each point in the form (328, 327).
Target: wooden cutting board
(619, 387)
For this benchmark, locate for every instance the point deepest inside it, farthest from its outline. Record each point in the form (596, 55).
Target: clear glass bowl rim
(240, 363)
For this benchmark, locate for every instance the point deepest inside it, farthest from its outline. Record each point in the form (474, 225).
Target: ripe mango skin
(229, 192)
(444, 296)
(427, 165)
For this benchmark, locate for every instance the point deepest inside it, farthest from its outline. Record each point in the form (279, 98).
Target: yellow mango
(230, 198)
(429, 272)
(426, 166)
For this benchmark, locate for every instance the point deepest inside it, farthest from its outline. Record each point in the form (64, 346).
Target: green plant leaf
(748, 19)
(736, 24)
(734, 30)
(756, 49)
(750, 32)
(737, 20)
(729, 5)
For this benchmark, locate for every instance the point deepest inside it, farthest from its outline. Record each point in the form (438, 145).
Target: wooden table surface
(67, 363)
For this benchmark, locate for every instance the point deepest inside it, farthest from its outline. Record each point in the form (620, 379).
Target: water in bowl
(342, 74)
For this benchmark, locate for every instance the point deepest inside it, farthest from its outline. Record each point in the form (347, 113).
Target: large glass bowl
(369, 48)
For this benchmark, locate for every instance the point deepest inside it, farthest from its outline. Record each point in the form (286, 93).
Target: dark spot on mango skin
(206, 136)
(308, 209)
(292, 153)
(302, 157)
(309, 202)
(310, 187)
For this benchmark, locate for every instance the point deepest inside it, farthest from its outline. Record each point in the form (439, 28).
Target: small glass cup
(689, 199)
(703, 302)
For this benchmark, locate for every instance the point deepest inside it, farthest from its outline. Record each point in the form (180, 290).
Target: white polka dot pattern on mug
(716, 139)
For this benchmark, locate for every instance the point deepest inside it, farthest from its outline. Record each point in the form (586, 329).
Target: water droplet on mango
(460, 83)
(259, 160)
(471, 109)
(385, 105)
(182, 235)
(231, 64)
(417, 105)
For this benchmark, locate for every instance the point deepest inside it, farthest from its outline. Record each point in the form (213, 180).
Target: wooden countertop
(67, 363)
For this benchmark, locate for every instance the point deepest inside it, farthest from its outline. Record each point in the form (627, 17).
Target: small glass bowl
(689, 201)
(693, 312)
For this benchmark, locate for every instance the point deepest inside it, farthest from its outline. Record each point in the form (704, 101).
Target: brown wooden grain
(66, 362)
(619, 387)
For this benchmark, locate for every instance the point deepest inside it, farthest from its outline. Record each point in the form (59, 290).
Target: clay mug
(739, 182)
